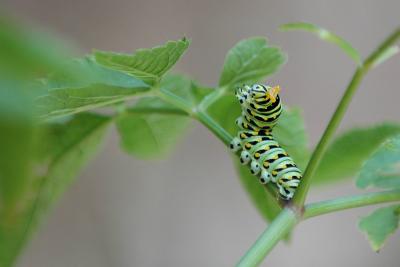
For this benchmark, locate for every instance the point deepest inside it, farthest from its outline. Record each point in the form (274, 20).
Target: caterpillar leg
(286, 193)
(255, 167)
(245, 157)
(235, 144)
(265, 176)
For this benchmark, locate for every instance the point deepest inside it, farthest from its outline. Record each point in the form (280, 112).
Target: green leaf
(67, 148)
(17, 142)
(187, 91)
(146, 64)
(325, 35)
(250, 61)
(96, 87)
(291, 134)
(150, 134)
(379, 225)
(346, 154)
(382, 169)
(264, 201)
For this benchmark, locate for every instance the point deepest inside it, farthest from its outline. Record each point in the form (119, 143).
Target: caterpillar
(261, 108)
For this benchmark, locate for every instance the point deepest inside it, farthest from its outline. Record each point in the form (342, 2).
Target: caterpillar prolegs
(261, 108)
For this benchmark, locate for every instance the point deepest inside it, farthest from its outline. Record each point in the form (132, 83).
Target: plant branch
(214, 127)
(337, 117)
(280, 227)
(158, 110)
(328, 206)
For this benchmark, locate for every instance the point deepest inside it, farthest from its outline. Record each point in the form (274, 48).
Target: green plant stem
(330, 130)
(281, 226)
(158, 110)
(328, 206)
(214, 127)
(337, 117)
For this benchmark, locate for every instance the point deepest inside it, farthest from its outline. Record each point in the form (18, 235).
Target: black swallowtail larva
(261, 108)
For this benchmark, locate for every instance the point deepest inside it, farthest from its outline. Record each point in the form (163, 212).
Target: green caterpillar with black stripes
(261, 108)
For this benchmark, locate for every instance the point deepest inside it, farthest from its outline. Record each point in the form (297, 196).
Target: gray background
(189, 210)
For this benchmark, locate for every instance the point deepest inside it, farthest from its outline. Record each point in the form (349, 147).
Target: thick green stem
(328, 206)
(280, 227)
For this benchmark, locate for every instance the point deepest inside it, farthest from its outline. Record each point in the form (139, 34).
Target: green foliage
(290, 132)
(68, 148)
(249, 61)
(48, 136)
(25, 54)
(340, 162)
(17, 142)
(91, 87)
(325, 35)
(382, 169)
(380, 224)
(148, 65)
(149, 134)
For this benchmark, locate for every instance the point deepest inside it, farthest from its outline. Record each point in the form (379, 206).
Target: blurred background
(189, 209)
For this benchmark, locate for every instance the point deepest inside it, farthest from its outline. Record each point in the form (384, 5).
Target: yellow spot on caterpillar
(257, 155)
(242, 136)
(248, 145)
(274, 173)
(266, 164)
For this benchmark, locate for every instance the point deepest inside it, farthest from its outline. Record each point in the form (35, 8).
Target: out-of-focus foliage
(382, 169)
(152, 134)
(380, 224)
(346, 154)
(46, 135)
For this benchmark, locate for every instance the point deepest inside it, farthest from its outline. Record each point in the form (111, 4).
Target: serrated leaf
(249, 61)
(379, 225)
(382, 169)
(148, 65)
(346, 154)
(150, 134)
(95, 87)
(325, 35)
(67, 149)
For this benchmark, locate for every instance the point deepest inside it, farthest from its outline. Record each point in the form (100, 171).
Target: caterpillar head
(258, 93)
